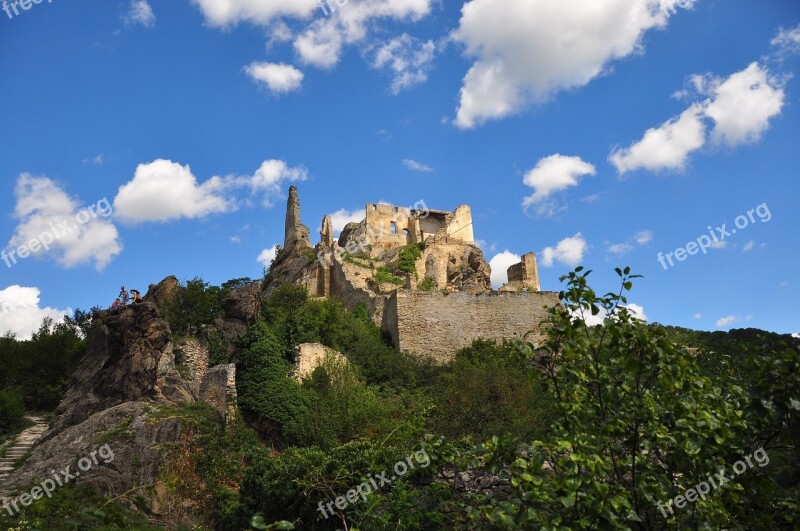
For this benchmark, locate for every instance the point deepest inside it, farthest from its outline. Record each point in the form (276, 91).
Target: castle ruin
(419, 274)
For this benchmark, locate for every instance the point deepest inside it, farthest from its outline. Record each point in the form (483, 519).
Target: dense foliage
(593, 427)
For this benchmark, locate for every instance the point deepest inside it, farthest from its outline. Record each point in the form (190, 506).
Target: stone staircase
(21, 448)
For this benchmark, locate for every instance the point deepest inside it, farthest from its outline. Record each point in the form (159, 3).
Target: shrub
(265, 389)
(12, 411)
(195, 304)
(491, 391)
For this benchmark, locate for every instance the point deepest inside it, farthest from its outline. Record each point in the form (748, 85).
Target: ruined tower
(296, 232)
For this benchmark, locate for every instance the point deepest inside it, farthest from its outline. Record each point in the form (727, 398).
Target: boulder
(243, 303)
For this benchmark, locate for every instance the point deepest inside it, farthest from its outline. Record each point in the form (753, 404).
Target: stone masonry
(437, 324)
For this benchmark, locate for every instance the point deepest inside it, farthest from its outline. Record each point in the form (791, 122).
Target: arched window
(393, 227)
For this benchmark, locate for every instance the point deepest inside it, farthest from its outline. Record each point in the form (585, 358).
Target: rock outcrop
(129, 358)
(124, 405)
(243, 303)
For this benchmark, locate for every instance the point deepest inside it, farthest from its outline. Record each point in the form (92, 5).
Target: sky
(147, 138)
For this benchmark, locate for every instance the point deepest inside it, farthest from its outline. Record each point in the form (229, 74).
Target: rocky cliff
(125, 394)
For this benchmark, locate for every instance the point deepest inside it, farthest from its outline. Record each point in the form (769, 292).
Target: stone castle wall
(438, 324)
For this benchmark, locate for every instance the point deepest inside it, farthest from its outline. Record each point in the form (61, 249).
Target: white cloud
(321, 39)
(141, 13)
(719, 244)
(743, 104)
(21, 314)
(236, 239)
(279, 78)
(641, 238)
(97, 160)
(568, 251)
(224, 13)
(637, 311)
(164, 190)
(749, 246)
(342, 217)
(408, 58)
(594, 320)
(698, 316)
(266, 256)
(413, 165)
(740, 106)
(787, 41)
(269, 179)
(499, 265)
(73, 234)
(526, 51)
(665, 147)
(644, 237)
(620, 248)
(553, 174)
(726, 321)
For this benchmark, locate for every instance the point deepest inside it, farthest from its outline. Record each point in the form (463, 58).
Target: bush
(12, 411)
(265, 389)
(195, 304)
(491, 391)
(290, 486)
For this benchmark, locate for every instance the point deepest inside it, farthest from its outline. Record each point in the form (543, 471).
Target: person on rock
(137, 297)
(123, 295)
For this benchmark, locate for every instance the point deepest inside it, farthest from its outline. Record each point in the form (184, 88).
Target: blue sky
(593, 132)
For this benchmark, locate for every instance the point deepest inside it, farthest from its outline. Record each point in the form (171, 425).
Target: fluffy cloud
(224, 13)
(593, 320)
(164, 190)
(408, 59)
(553, 174)
(526, 51)
(319, 42)
(269, 178)
(279, 78)
(141, 13)
(637, 311)
(740, 107)
(500, 264)
(413, 165)
(620, 248)
(568, 251)
(266, 256)
(641, 238)
(62, 228)
(665, 147)
(21, 314)
(787, 41)
(723, 322)
(342, 217)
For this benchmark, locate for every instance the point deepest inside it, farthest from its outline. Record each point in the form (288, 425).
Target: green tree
(637, 425)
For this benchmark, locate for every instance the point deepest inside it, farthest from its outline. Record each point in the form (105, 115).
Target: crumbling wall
(523, 275)
(437, 324)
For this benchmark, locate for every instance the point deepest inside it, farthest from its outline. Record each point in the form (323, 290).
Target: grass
(384, 276)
